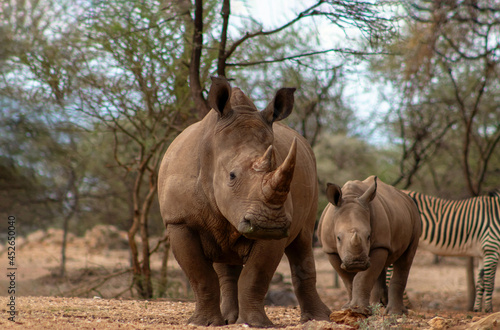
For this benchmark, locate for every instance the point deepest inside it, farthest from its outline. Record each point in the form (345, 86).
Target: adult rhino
(365, 228)
(238, 189)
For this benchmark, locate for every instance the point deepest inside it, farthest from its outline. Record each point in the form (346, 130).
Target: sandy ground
(437, 293)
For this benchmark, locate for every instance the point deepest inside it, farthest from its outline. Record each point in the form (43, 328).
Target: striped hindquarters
(459, 227)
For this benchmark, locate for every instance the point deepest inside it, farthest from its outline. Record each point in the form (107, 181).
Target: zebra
(467, 227)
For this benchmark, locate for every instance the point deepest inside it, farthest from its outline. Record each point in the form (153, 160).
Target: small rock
(491, 321)
(346, 317)
(439, 323)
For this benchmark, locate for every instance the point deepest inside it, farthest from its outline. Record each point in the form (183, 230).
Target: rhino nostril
(245, 227)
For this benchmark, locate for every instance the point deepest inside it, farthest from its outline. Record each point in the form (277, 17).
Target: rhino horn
(277, 185)
(355, 240)
(265, 163)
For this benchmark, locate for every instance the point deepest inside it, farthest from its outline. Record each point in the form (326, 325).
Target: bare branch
(248, 35)
(302, 55)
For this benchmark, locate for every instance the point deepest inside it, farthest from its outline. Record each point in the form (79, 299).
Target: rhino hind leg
(228, 280)
(301, 258)
(188, 252)
(379, 294)
(398, 282)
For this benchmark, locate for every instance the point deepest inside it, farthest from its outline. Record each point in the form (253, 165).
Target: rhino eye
(369, 236)
(232, 176)
(338, 238)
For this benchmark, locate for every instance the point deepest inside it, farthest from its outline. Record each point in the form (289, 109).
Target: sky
(273, 13)
(361, 92)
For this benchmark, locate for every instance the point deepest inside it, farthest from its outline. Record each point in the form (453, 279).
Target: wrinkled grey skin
(366, 227)
(238, 188)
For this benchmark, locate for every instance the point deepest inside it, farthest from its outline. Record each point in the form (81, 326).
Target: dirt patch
(84, 298)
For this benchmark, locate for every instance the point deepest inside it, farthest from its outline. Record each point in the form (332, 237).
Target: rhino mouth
(355, 265)
(253, 231)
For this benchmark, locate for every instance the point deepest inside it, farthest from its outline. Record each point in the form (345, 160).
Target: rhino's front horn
(277, 184)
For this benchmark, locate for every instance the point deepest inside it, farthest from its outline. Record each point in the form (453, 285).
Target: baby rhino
(365, 228)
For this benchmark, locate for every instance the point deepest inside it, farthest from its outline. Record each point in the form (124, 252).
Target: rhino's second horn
(265, 163)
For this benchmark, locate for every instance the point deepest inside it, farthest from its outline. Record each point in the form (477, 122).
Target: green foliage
(109, 63)
(443, 104)
(380, 321)
(341, 158)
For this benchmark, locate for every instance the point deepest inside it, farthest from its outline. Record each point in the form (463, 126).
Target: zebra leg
(478, 302)
(490, 267)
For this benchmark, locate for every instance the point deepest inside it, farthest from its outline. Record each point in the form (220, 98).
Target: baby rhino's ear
(334, 194)
(370, 193)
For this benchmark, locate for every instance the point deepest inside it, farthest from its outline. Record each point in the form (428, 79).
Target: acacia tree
(36, 84)
(447, 102)
(133, 92)
(125, 65)
(255, 47)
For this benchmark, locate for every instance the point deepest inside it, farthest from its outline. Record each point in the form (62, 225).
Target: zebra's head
(352, 229)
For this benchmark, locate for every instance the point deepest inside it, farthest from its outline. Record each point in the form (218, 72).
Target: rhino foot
(230, 317)
(204, 320)
(395, 310)
(306, 317)
(256, 321)
(358, 309)
(320, 314)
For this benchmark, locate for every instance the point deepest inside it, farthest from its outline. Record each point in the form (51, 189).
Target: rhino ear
(219, 95)
(280, 107)
(334, 194)
(370, 193)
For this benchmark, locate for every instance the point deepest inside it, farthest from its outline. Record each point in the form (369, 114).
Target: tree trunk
(142, 269)
(72, 187)
(162, 289)
(194, 67)
(221, 63)
(136, 267)
(146, 266)
(62, 268)
(141, 273)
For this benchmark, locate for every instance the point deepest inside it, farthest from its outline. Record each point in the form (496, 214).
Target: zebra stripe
(468, 227)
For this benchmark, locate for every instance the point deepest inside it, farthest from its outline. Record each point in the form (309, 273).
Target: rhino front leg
(188, 251)
(364, 281)
(228, 280)
(303, 269)
(347, 278)
(254, 283)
